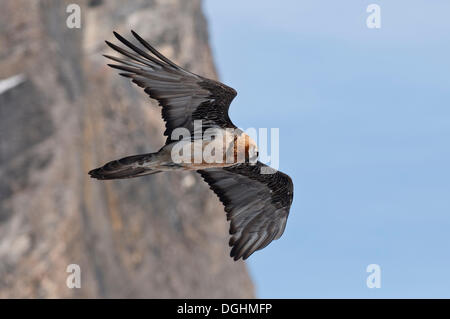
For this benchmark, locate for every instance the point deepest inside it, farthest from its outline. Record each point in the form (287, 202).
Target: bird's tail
(127, 167)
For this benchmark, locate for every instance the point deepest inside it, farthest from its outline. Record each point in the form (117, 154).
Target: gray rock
(158, 236)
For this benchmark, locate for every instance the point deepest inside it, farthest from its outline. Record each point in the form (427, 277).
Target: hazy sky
(364, 118)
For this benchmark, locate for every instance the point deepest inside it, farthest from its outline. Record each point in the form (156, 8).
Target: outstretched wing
(257, 204)
(184, 96)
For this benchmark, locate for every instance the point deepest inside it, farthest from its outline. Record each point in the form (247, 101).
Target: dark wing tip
(155, 52)
(234, 255)
(126, 75)
(237, 254)
(117, 35)
(122, 39)
(113, 46)
(115, 66)
(109, 56)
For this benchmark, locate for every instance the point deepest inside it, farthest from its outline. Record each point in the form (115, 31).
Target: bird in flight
(256, 197)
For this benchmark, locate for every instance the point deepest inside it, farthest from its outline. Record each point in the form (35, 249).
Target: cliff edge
(161, 236)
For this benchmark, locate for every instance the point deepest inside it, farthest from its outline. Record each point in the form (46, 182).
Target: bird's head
(245, 149)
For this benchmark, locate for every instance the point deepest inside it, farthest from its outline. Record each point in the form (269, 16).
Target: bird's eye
(257, 154)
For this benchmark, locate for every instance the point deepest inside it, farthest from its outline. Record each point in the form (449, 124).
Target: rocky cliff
(157, 236)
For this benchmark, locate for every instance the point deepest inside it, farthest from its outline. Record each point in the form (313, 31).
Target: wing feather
(257, 204)
(184, 96)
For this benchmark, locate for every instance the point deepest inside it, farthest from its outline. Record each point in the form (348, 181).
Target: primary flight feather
(256, 197)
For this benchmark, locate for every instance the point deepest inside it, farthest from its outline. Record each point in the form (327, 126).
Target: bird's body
(230, 147)
(233, 147)
(202, 138)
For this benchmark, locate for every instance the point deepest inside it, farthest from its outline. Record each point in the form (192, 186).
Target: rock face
(158, 236)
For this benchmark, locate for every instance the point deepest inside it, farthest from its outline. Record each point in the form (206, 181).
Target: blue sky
(364, 118)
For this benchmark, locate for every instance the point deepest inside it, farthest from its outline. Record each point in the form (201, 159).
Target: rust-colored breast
(247, 148)
(238, 143)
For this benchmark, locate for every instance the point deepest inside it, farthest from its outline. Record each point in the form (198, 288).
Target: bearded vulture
(257, 198)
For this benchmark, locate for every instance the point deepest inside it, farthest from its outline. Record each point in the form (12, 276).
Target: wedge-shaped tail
(127, 167)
